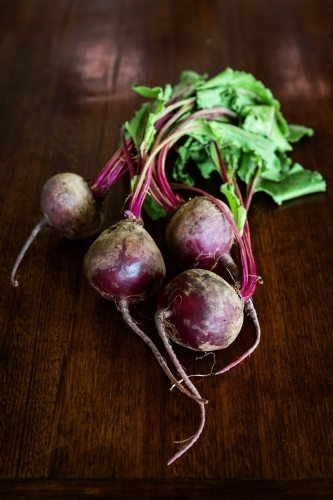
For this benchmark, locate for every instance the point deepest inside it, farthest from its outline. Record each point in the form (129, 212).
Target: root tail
(26, 245)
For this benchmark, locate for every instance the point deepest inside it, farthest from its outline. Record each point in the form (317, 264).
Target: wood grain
(81, 397)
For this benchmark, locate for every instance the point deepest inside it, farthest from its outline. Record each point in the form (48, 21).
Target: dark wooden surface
(85, 410)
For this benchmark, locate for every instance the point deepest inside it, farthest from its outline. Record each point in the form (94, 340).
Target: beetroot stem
(42, 223)
(228, 262)
(127, 152)
(146, 173)
(160, 317)
(224, 171)
(251, 189)
(123, 307)
(250, 310)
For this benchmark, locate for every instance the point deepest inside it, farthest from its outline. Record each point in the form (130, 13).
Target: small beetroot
(69, 208)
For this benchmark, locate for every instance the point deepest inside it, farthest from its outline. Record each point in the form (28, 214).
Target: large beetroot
(124, 263)
(200, 310)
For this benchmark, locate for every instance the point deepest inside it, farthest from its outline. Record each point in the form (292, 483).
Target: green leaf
(298, 182)
(215, 98)
(228, 134)
(153, 209)
(247, 168)
(152, 93)
(189, 79)
(296, 132)
(142, 127)
(261, 119)
(204, 161)
(179, 172)
(155, 92)
(136, 127)
(237, 210)
(242, 89)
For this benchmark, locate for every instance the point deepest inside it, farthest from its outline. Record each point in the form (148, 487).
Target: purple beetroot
(199, 235)
(124, 263)
(68, 207)
(200, 310)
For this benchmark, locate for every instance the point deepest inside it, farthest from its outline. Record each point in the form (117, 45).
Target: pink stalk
(249, 290)
(145, 176)
(250, 310)
(229, 264)
(157, 192)
(127, 152)
(111, 172)
(186, 105)
(160, 172)
(247, 242)
(224, 171)
(167, 113)
(251, 189)
(180, 93)
(114, 175)
(210, 114)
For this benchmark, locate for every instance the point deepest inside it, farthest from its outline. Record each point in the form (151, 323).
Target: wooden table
(86, 412)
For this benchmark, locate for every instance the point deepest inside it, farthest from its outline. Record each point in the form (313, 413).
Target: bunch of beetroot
(230, 124)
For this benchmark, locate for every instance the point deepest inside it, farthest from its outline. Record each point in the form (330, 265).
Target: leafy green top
(253, 139)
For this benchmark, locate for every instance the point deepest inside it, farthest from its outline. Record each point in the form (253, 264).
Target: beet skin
(201, 310)
(125, 263)
(199, 234)
(69, 206)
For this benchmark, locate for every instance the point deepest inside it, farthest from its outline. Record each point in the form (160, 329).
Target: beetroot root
(199, 234)
(201, 310)
(125, 263)
(68, 207)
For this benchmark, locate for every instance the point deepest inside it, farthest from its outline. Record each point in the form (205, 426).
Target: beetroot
(125, 263)
(200, 310)
(68, 207)
(199, 234)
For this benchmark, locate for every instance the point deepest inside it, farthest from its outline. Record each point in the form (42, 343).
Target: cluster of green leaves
(261, 138)
(142, 127)
(253, 145)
